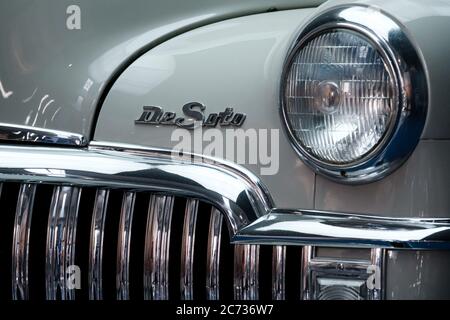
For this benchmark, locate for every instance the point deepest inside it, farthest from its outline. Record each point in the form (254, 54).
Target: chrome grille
(79, 222)
(145, 223)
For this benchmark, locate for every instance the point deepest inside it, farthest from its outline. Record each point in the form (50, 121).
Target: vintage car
(216, 149)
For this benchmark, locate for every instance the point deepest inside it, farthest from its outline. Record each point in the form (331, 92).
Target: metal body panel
(54, 77)
(235, 63)
(417, 189)
(417, 275)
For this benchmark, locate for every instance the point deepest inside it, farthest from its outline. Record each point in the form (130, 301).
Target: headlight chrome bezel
(411, 92)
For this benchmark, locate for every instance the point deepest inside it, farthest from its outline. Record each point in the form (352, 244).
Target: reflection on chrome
(246, 272)
(96, 245)
(278, 272)
(19, 133)
(123, 247)
(346, 230)
(21, 241)
(213, 257)
(157, 241)
(187, 250)
(61, 232)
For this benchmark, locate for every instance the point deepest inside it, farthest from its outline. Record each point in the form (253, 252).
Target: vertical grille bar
(123, 246)
(307, 253)
(213, 257)
(246, 267)
(21, 241)
(157, 241)
(187, 250)
(96, 245)
(278, 272)
(60, 250)
(377, 258)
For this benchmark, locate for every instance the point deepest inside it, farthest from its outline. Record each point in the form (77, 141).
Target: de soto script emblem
(194, 115)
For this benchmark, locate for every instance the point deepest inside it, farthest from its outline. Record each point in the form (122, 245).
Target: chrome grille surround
(107, 167)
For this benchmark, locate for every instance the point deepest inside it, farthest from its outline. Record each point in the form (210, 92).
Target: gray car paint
(419, 188)
(417, 275)
(57, 76)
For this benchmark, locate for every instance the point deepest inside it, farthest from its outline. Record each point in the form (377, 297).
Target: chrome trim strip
(21, 241)
(157, 243)
(61, 232)
(19, 133)
(152, 170)
(246, 270)
(96, 244)
(291, 227)
(278, 272)
(213, 257)
(187, 250)
(123, 246)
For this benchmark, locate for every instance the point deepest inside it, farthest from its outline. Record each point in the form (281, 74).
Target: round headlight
(344, 92)
(340, 96)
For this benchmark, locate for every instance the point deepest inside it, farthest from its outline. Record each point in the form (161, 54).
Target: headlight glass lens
(340, 97)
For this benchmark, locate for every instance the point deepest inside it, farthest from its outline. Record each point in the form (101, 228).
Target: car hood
(55, 75)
